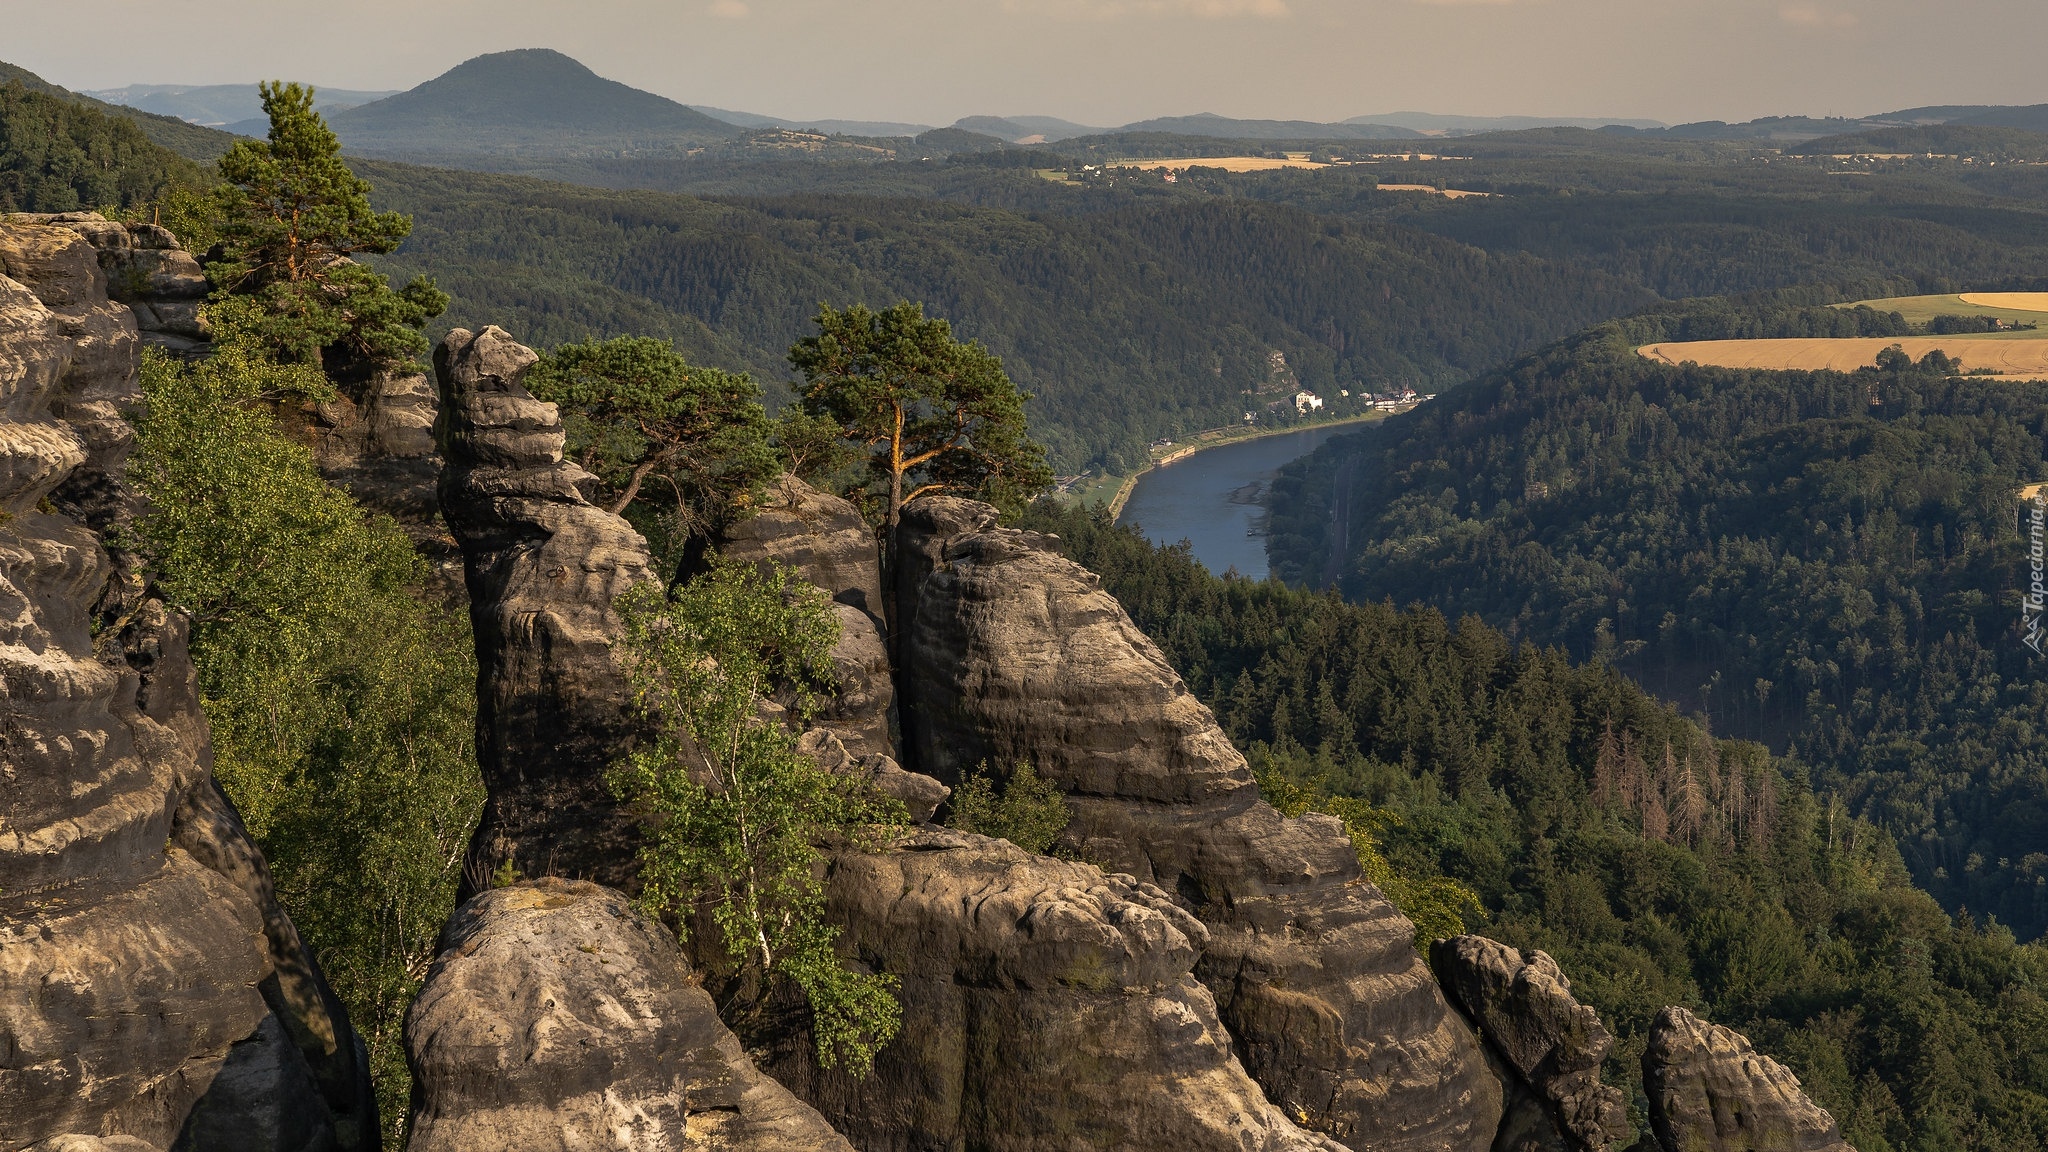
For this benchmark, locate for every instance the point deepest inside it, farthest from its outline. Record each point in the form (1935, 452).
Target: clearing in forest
(2011, 359)
(2019, 307)
(1227, 163)
(1451, 193)
(2017, 301)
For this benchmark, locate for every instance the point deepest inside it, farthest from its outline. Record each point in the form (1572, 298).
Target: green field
(1921, 309)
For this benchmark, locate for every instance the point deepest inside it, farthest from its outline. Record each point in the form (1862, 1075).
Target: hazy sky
(1103, 61)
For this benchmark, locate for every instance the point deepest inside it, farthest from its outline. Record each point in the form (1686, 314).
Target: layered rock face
(1711, 1092)
(152, 991)
(543, 567)
(557, 1018)
(1046, 1007)
(380, 445)
(1551, 1044)
(825, 539)
(1012, 652)
(147, 270)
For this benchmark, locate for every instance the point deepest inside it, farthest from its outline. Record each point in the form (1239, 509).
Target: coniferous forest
(1658, 861)
(1708, 682)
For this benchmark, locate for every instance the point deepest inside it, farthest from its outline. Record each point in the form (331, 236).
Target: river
(1212, 498)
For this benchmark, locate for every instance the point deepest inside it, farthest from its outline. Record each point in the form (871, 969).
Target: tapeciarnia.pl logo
(2036, 600)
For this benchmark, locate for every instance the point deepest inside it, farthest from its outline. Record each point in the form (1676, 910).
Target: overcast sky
(1102, 61)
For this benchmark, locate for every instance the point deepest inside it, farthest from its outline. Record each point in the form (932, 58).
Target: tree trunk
(632, 486)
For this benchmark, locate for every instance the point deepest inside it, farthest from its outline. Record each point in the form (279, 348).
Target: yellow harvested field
(2011, 359)
(2018, 301)
(1921, 309)
(1227, 163)
(1453, 193)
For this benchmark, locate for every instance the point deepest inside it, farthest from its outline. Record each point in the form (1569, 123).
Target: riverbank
(1115, 491)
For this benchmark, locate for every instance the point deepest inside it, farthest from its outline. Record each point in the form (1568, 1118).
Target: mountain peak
(522, 99)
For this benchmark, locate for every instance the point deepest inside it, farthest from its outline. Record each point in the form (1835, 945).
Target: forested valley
(1828, 562)
(1705, 681)
(1555, 804)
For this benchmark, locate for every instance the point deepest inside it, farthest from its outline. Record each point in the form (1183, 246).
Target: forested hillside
(188, 140)
(57, 155)
(1124, 323)
(1830, 562)
(1657, 864)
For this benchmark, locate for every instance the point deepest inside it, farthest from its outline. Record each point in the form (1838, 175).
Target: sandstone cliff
(152, 992)
(1048, 1006)
(1551, 1045)
(542, 566)
(1711, 1092)
(557, 1019)
(1012, 652)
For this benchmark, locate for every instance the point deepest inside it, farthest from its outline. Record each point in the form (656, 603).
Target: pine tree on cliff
(292, 215)
(933, 414)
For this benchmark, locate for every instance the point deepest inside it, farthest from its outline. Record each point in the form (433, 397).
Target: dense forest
(59, 156)
(1830, 562)
(1658, 864)
(1124, 324)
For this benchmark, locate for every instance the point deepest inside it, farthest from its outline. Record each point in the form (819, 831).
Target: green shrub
(1029, 813)
(733, 813)
(339, 688)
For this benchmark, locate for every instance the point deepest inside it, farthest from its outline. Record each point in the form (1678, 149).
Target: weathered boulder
(825, 539)
(543, 567)
(151, 988)
(821, 536)
(147, 270)
(1012, 652)
(920, 795)
(1711, 1092)
(1046, 1007)
(557, 1017)
(1523, 1006)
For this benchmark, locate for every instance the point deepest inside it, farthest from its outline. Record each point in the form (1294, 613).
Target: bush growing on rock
(733, 813)
(338, 687)
(1030, 813)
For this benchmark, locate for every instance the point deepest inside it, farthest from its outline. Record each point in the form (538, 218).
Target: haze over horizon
(1110, 62)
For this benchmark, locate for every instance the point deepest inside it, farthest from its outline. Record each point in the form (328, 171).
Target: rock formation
(379, 444)
(1552, 1044)
(1711, 1092)
(151, 989)
(1046, 1007)
(825, 538)
(1012, 652)
(147, 270)
(543, 567)
(557, 1018)
(920, 795)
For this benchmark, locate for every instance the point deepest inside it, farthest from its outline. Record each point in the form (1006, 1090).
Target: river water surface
(1211, 499)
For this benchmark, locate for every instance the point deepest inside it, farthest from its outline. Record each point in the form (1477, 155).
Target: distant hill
(880, 128)
(1019, 129)
(1210, 124)
(188, 140)
(1464, 125)
(2032, 117)
(220, 105)
(1968, 140)
(531, 100)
